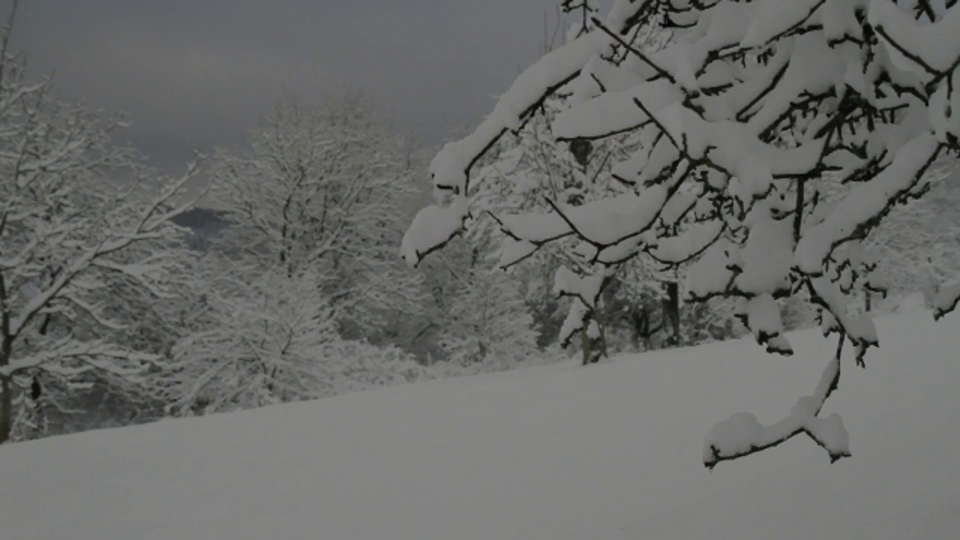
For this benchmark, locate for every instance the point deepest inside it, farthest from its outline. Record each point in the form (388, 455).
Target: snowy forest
(670, 173)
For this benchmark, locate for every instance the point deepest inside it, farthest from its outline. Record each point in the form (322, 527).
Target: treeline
(114, 311)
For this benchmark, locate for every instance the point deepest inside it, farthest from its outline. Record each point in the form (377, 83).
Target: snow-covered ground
(606, 452)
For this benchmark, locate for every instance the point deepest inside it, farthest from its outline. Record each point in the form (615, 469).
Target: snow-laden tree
(267, 342)
(269, 337)
(302, 295)
(76, 213)
(750, 112)
(325, 189)
(515, 179)
(486, 325)
(149, 323)
(920, 241)
(531, 171)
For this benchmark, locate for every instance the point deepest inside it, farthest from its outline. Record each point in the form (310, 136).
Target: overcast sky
(198, 73)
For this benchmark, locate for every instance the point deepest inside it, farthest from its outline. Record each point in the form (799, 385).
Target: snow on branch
(433, 228)
(513, 251)
(451, 167)
(762, 144)
(866, 203)
(742, 435)
(928, 50)
(762, 316)
(577, 318)
(586, 288)
(613, 112)
(93, 354)
(156, 215)
(946, 301)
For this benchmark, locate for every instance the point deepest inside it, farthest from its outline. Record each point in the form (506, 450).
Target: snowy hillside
(612, 451)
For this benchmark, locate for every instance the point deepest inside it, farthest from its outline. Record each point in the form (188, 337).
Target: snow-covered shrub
(273, 338)
(269, 341)
(368, 366)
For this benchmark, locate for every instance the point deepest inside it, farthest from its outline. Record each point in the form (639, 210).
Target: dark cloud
(198, 73)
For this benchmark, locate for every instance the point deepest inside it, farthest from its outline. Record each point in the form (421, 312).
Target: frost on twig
(742, 435)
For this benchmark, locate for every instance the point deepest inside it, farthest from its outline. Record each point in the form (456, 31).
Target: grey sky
(198, 73)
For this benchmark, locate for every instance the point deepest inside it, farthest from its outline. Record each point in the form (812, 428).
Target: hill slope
(606, 452)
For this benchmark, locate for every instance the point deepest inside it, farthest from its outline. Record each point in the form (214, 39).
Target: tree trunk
(866, 301)
(602, 341)
(640, 328)
(671, 311)
(6, 408)
(593, 348)
(585, 343)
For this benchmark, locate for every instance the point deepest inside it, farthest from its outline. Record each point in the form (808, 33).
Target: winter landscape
(691, 273)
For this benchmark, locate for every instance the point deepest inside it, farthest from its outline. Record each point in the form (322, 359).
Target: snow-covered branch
(742, 435)
(768, 141)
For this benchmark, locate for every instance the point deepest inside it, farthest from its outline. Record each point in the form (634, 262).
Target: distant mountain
(205, 224)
